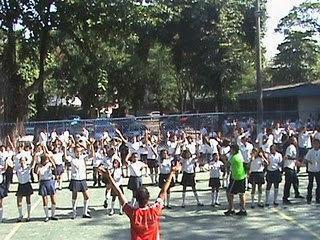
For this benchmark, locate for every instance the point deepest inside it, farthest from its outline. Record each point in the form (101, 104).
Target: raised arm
(105, 172)
(166, 186)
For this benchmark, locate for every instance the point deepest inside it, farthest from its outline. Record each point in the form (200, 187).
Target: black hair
(142, 196)
(235, 148)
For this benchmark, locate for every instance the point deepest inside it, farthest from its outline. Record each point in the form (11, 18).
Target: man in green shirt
(237, 183)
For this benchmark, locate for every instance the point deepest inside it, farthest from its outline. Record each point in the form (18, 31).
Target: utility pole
(258, 68)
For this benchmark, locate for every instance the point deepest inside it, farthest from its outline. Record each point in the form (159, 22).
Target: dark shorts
(24, 190)
(273, 176)
(59, 170)
(214, 183)
(188, 179)
(47, 188)
(256, 178)
(3, 190)
(134, 183)
(152, 163)
(163, 179)
(237, 186)
(302, 152)
(78, 186)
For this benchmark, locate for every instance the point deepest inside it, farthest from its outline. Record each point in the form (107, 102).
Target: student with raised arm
(144, 219)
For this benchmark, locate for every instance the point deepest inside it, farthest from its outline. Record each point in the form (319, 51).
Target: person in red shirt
(144, 219)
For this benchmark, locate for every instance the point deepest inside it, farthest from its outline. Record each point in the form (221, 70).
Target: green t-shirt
(237, 169)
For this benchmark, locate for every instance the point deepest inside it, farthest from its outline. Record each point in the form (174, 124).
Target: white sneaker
(111, 212)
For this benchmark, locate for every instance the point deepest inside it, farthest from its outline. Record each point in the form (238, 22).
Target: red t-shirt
(145, 222)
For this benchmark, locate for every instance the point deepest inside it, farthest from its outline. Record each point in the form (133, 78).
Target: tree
(297, 59)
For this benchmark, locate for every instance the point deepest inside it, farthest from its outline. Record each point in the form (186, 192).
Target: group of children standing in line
(276, 152)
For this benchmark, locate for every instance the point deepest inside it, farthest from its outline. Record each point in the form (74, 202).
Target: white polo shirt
(23, 174)
(291, 152)
(188, 165)
(313, 158)
(215, 169)
(275, 161)
(256, 165)
(78, 168)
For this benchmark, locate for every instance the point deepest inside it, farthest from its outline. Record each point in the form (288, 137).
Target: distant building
(302, 98)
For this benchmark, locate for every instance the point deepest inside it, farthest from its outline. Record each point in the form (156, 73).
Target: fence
(131, 126)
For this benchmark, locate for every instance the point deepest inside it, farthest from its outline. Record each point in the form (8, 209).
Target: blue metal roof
(310, 89)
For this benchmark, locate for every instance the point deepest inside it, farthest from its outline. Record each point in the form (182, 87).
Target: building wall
(309, 107)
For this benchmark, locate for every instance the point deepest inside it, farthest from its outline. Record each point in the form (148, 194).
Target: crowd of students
(234, 159)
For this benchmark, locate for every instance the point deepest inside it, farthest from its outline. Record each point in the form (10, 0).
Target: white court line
(18, 225)
(295, 222)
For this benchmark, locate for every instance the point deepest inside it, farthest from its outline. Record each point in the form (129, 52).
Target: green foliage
(161, 54)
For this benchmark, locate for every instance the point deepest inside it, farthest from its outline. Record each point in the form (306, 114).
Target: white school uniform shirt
(78, 168)
(45, 172)
(277, 135)
(165, 166)
(98, 158)
(151, 154)
(171, 148)
(214, 145)
(58, 158)
(23, 174)
(43, 138)
(260, 139)
(54, 136)
(135, 169)
(266, 146)
(192, 147)
(257, 165)
(188, 165)
(206, 149)
(291, 151)
(304, 140)
(275, 161)
(313, 158)
(133, 147)
(215, 169)
(225, 151)
(117, 176)
(246, 150)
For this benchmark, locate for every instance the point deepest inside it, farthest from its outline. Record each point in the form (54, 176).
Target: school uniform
(78, 181)
(206, 153)
(24, 181)
(143, 153)
(274, 175)
(291, 177)
(107, 164)
(165, 169)
(313, 158)
(188, 177)
(135, 179)
(47, 184)
(151, 158)
(304, 142)
(96, 162)
(58, 159)
(215, 173)
(118, 179)
(256, 171)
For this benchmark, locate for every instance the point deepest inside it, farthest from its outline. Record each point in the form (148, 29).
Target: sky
(276, 9)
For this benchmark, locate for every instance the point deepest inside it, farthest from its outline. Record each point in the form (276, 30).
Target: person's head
(116, 163)
(292, 140)
(164, 154)
(78, 150)
(215, 157)
(316, 144)
(22, 161)
(234, 149)
(44, 159)
(254, 152)
(142, 196)
(110, 152)
(273, 149)
(2, 148)
(186, 154)
(134, 157)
